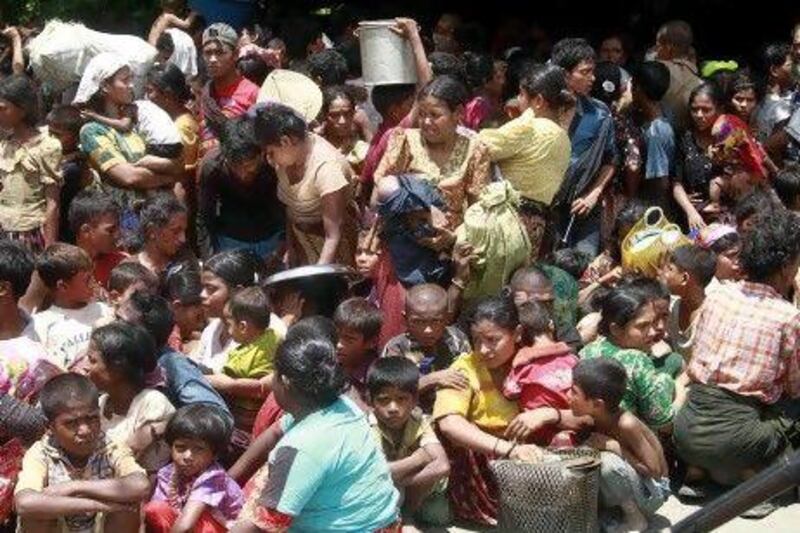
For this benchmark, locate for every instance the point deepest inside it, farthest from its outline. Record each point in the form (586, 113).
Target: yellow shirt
(532, 153)
(26, 169)
(189, 130)
(483, 403)
(417, 434)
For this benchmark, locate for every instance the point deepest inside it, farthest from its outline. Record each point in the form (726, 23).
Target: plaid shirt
(747, 340)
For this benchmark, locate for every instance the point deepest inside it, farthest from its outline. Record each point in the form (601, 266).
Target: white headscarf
(99, 69)
(185, 54)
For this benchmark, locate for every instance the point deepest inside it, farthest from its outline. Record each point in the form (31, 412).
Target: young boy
(650, 84)
(64, 123)
(65, 327)
(430, 342)
(246, 377)
(94, 221)
(417, 460)
(541, 374)
(686, 274)
(633, 475)
(358, 324)
(74, 472)
(127, 278)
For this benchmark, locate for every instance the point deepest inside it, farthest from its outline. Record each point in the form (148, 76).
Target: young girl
(221, 275)
(193, 493)
(338, 127)
(162, 229)
(120, 355)
(724, 241)
(183, 290)
(29, 164)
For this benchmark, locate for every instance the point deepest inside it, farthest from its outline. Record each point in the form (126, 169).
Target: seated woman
(314, 184)
(106, 89)
(326, 468)
(631, 324)
(456, 164)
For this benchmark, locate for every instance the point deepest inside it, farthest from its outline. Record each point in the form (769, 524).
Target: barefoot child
(634, 470)
(75, 472)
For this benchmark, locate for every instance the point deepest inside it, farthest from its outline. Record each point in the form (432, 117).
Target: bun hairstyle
(309, 363)
(549, 82)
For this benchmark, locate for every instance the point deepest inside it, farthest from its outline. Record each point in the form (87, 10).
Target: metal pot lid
(310, 271)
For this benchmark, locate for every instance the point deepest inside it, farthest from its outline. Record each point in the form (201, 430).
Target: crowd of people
(559, 245)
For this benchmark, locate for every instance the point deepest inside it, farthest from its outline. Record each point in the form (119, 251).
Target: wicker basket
(559, 494)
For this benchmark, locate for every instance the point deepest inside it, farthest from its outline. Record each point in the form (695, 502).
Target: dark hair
(127, 273)
(601, 378)
(700, 263)
(16, 267)
(165, 44)
(725, 243)
(741, 81)
(447, 64)
(88, 206)
(204, 422)
(171, 80)
(478, 69)
(774, 55)
(183, 284)
(787, 184)
(678, 34)
(550, 82)
(535, 320)
(60, 262)
(569, 53)
(770, 245)
(572, 261)
(275, 121)
(607, 85)
(157, 212)
(495, 309)
(237, 268)
(531, 271)
(127, 350)
(317, 326)
(254, 68)
(328, 67)
(392, 372)
(652, 79)
(360, 315)
(351, 51)
(153, 314)
(310, 363)
(755, 203)
(67, 117)
(62, 390)
(447, 89)
(385, 96)
(711, 91)
(620, 306)
(251, 304)
(652, 289)
(330, 94)
(237, 140)
(626, 218)
(19, 90)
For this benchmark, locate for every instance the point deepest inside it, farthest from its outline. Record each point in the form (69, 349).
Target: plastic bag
(649, 242)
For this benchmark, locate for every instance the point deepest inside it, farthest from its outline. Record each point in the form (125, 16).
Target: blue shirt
(585, 127)
(186, 385)
(659, 139)
(329, 474)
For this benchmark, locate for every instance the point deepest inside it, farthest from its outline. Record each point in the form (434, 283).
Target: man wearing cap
(228, 93)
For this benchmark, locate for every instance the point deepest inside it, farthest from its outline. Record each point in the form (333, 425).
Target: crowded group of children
(517, 284)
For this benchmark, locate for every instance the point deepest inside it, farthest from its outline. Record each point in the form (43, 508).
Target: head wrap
(100, 68)
(707, 236)
(733, 144)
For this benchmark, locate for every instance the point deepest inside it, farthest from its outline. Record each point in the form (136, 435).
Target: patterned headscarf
(734, 145)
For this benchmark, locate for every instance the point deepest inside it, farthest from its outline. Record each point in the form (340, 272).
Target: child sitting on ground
(430, 342)
(193, 492)
(417, 460)
(358, 324)
(74, 472)
(246, 378)
(65, 327)
(94, 221)
(634, 472)
(127, 278)
(541, 374)
(120, 356)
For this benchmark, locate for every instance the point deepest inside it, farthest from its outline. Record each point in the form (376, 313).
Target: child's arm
(256, 454)
(639, 449)
(161, 165)
(242, 387)
(189, 516)
(17, 58)
(52, 194)
(40, 505)
(436, 467)
(406, 467)
(123, 124)
(132, 488)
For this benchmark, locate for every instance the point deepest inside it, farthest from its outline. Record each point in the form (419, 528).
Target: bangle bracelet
(513, 445)
(558, 412)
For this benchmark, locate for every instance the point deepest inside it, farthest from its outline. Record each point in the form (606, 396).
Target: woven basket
(559, 494)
